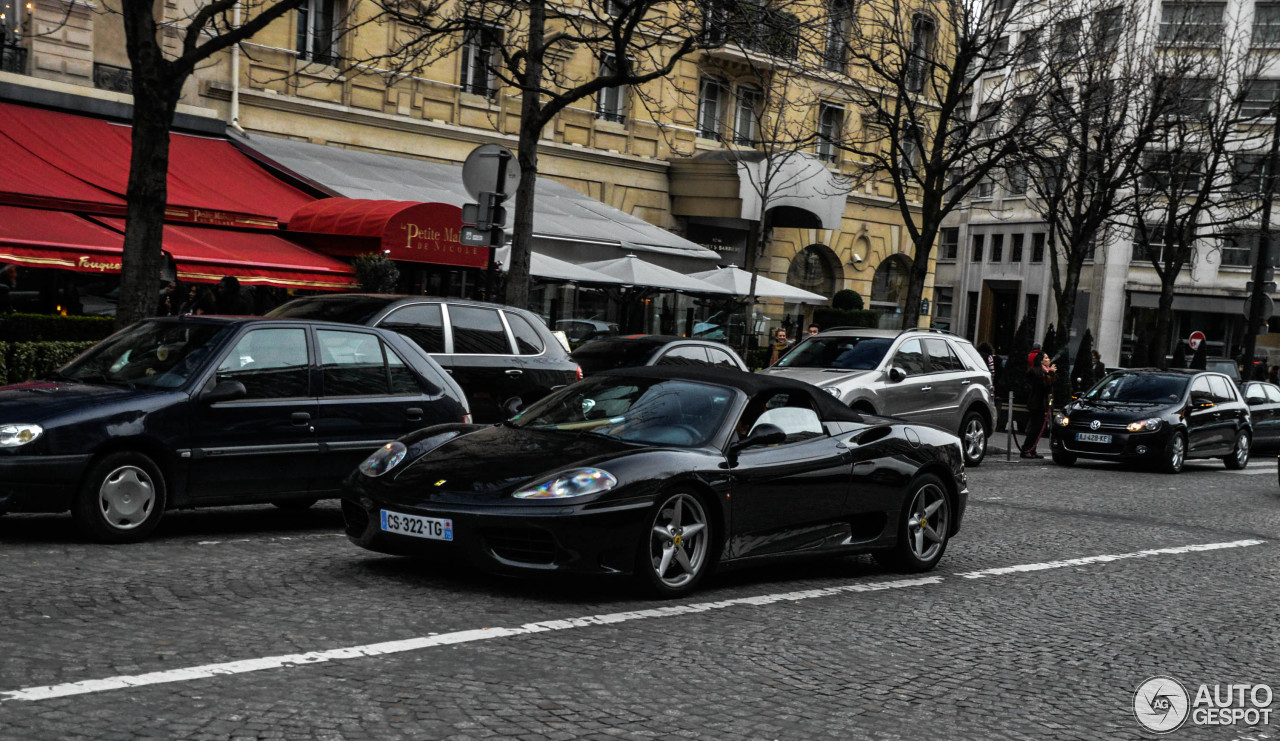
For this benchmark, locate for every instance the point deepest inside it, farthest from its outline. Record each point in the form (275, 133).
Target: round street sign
(480, 171)
(1268, 307)
(1195, 339)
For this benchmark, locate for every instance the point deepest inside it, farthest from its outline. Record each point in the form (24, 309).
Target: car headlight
(832, 390)
(11, 436)
(383, 459)
(576, 483)
(1061, 419)
(1146, 425)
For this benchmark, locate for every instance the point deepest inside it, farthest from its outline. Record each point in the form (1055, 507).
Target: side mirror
(1201, 404)
(1075, 397)
(1254, 401)
(225, 391)
(765, 434)
(896, 374)
(513, 406)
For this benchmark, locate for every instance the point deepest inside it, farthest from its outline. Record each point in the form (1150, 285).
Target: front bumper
(510, 539)
(1124, 445)
(40, 483)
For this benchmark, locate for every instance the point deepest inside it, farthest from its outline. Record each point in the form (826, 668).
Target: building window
(1018, 180)
(923, 31)
(988, 119)
(1000, 52)
(1066, 38)
(971, 316)
(711, 97)
(837, 35)
(942, 300)
(1033, 310)
(985, 188)
(1153, 249)
(976, 254)
(1030, 51)
(950, 243)
(1185, 97)
(1015, 248)
(909, 157)
(316, 39)
(1248, 171)
(479, 59)
(997, 248)
(13, 55)
(1107, 25)
(1173, 172)
(1266, 24)
(1191, 23)
(1239, 248)
(1037, 247)
(611, 100)
(811, 270)
(1260, 99)
(746, 127)
(830, 130)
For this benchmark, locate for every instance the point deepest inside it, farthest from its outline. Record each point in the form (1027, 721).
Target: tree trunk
(147, 196)
(1164, 324)
(531, 124)
(915, 285)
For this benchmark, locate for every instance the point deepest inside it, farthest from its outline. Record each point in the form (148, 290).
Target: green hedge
(54, 328)
(22, 361)
(826, 318)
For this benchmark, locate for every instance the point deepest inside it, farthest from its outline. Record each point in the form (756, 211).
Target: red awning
(29, 180)
(210, 181)
(404, 230)
(255, 258)
(57, 239)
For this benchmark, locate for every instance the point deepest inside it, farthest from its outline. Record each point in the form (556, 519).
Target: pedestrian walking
(988, 354)
(1274, 375)
(1031, 356)
(230, 301)
(1099, 368)
(1041, 377)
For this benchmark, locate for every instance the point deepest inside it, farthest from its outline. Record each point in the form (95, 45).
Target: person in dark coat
(1041, 377)
(988, 355)
(1099, 368)
(230, 301)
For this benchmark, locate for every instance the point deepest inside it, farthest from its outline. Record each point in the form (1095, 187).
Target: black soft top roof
(752, 384)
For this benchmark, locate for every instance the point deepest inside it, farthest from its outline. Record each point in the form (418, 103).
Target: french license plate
(431, 528)
(1092, 437)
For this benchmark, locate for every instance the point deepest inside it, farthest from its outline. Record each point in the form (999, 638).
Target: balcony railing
(109, 77)
(13, 58)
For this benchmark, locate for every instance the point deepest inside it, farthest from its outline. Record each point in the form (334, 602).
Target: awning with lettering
(401, 230)
(255, 258)
(57, 239)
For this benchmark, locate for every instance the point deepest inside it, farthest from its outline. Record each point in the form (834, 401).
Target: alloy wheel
(1177, 453)
(1242, 451)
(927, 523)
(126, 497)
(678, 543)
(975, 439)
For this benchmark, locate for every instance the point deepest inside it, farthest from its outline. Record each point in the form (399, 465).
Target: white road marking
(244, 666)
(1026, 567)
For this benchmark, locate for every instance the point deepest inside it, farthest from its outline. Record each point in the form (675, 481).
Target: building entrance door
(1000, 315)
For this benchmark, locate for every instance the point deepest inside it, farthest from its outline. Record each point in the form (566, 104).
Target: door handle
(515, 372)
(926, 388)
(965, 382)
(413, 413)
(300, 418)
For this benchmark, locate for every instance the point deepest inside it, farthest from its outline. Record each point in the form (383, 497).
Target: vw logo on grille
(1095, 424)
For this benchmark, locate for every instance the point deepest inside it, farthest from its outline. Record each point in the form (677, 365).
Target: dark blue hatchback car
(200, 411)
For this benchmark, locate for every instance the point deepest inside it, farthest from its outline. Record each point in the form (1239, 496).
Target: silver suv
(921, 375)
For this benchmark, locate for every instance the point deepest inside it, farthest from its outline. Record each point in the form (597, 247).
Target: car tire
(973, 439)
(1063, 459)
(122, 499)
(920, 545)
(294, 504)
(1239, 457)
(670, 560)
(1175, 453)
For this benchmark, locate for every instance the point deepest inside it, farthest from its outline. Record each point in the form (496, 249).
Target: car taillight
(579, 370)
(466, 419)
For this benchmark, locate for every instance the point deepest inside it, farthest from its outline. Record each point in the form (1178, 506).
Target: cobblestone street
(257, 623)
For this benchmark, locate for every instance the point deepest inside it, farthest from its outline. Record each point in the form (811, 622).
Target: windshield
(345, 309)
(845, 353)
(1139, 388)
(650, 411)
(162, 355)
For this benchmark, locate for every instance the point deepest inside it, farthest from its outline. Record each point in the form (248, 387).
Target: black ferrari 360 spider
(664, 473)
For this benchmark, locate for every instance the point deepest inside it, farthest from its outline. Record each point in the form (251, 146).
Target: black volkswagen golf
(204, 411)
(1161, 417)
